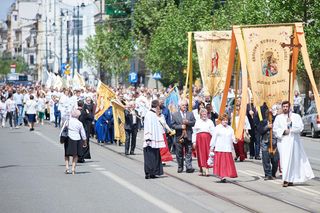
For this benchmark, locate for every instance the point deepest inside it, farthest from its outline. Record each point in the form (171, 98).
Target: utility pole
(47, 65)
(78, 41)
(74, 41)
(61, 27)
(68, 49)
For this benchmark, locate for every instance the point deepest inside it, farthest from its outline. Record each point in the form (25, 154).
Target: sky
(4, 7)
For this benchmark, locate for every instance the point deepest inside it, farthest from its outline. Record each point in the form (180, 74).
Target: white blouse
(223, 139)
(75, 129)
(202, 126)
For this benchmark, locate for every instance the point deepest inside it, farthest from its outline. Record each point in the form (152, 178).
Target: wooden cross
(291, 46)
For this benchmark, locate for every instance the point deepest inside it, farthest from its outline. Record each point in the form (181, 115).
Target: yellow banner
(104, 96)
(119, 120)
(268, 62)
(213, 48)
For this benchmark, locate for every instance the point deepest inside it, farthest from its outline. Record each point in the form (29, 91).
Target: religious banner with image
(268, 62)
(213, 48)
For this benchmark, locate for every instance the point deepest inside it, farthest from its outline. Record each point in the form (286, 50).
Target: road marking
(94, 165)
(297, 188)
(148, 197)
(56, 143)
(100, 169)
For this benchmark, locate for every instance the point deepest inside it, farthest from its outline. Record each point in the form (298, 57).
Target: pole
(61, 25)
(68, 26)
(47, 65)
(74, 41)
(190, 69)
(78, 41)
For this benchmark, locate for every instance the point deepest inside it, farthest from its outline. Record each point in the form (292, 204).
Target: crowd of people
(269, 132)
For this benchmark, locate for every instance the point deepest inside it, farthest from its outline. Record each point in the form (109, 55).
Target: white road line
(297, 188)
(94, 165)
(100, 169)
(56, 143)
(148, 197)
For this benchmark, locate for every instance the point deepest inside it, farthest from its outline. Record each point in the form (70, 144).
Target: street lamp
(78, 36)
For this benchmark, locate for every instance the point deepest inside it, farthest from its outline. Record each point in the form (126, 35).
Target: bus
(19, 79)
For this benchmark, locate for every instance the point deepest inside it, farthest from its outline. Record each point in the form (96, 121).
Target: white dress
(293, 160)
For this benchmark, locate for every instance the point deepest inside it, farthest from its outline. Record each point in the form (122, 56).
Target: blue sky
(4, 6)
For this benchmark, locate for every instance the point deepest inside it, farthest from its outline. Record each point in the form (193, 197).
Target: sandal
(67, 171)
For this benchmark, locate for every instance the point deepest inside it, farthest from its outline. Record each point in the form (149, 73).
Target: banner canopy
(213, 49)
(104, 97)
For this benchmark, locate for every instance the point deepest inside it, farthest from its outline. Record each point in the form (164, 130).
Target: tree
(167, 50)
(6, 61)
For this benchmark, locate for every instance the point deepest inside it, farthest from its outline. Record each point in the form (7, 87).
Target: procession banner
(172, 100)
(57, 82)
(104, 96)
(268, 62)
(213, 49)
(78, 81)
(119, 120)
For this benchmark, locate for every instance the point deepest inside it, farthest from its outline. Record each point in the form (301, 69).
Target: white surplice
(293, 160)
(153, 131)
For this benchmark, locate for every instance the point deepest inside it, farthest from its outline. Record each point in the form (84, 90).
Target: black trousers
(152, 161)
(131, 138)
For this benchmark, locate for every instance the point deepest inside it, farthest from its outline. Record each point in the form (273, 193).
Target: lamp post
(78, 35)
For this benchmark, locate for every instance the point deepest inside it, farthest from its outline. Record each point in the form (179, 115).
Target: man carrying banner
(153, 141)
(293, 160)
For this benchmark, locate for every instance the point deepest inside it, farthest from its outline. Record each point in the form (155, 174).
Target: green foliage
(6, 61)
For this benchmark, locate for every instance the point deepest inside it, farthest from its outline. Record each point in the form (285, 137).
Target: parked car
(311, 122)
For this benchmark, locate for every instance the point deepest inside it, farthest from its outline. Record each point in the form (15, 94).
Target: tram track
(216, 195)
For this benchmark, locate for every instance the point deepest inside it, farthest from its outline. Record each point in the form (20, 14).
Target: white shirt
(11, 105)
(75, 129)
(41, 105)
(3, 107)
(223, 139)
(18, 98)
(31, 106)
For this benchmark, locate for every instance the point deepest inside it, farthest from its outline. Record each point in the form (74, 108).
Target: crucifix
(291, 46)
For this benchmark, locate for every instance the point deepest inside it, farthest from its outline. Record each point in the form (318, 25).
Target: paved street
(33, 180)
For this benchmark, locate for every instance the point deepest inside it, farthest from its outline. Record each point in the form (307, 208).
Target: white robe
(153, 131)
(293, 160)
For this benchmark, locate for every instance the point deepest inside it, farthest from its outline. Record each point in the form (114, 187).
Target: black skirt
(72, 147)
(152, 161)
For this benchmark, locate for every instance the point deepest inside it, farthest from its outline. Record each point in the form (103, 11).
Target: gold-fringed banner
(268, 62)
(119, 120)
(104, 96)
(213, 48)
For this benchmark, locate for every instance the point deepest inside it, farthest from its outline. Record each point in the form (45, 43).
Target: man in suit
(131, 127)
(182, 122)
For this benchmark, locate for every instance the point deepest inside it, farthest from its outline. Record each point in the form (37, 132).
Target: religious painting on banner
(119, 120)
(213, 48)
(268, 62)
(104, 96)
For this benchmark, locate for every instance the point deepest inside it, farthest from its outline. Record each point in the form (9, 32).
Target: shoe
(153, 176)
(126, 153)
(131, 153)
(223, 180)
(147, 177)
(81, 161)
(285, 184)
(180, 170)
(190, 170)
(268, 178)
(258, 158)
(251, 157)
(290, 184)
(236, 158)
(67, 171)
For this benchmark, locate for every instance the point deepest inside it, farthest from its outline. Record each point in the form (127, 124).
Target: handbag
(64, 134)
(246, 137)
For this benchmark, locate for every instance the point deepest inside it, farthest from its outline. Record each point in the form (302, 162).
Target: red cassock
(203, 149)
(164, 152)
(223, 165)
(239, 149)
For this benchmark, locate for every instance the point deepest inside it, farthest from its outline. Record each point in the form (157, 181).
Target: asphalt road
(32, 179)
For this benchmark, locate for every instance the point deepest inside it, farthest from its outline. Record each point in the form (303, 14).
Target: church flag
(104, 97)
(172, 100)
(213, 49)
(268, 62)
(119, 121)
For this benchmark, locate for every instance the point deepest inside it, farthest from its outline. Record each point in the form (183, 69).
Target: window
(15, 17)
(32, 59)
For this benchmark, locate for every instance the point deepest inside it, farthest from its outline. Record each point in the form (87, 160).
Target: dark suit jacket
(177, 123)
(129, 120)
